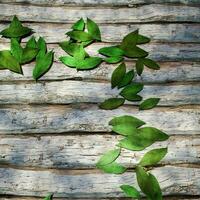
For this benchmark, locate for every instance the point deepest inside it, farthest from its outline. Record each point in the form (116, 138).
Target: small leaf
(49, 197)
(128, 77)
(79, 53)
(93, 29)
(139, 66)
(125, 129)
(16, 49)
(109, 157)
(79, 25)
(112, 51)
(31, 43)
(149, 103)
(148, 184)
(118, 75)
(153, 157)
(15, 30)
(113, 60)
(68, 61)
(8, 61)
(130, 191)
(28, 55)
(113, 168)
(126, 119)
(142, 39)
(130, 92)
(88, 63)
(42, 46)
(112, 103)
(79, 36)
(135, 52)
(150, 63)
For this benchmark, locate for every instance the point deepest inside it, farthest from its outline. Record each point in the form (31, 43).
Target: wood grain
(83, 151)
(173, 180)
(88, 118)
(145, 13)
(67, 92)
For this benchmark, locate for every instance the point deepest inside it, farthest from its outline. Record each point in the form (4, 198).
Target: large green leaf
(68, 61)
(118, 75)
(126, 119)
(16, 49)
(128, 77)
(139, 66)
(43, 64)
(15, 30)
(149, 103)
(150, 63)
(28, 55)
(41, 44)
(113, 168)
(31, 43)
(135, 52)
(8, 61)
(79, 52)
(88, 63)
(113, 60)
(153, 157)
(125, 129)
(79, 36)
(112, 103)
(93, 29)
(109, 157)
(131, 191)
(111, 51)
(148, 184)
(142, 39)
(130, 92)
(79, 25)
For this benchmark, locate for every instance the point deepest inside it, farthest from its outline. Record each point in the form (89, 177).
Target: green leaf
(113, 168)
(16, 49)
(150, 63)
(89, 63)
(126, 119)
(79, 25)
(93, 29)
(112, 60)
(118, 75)
(149, 103)
(153, 157)
(128, 77)
(139, 66)
(142, 39)
(109, 157)
(8, 61)
(43, 64)
(42, 46)
(111, 103)
(79, 36)
(135, 52)
(148, 184)
(79, 52)
(112, 51)
(15, 30)
(31, 43)
(49, 197)
(68, 61)
(125, 129)
(130, 92)
(28, 55)
(130, 191)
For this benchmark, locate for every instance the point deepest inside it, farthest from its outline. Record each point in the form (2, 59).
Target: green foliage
(112, 103)
(130, 191)
(149, 103)
(49, 197)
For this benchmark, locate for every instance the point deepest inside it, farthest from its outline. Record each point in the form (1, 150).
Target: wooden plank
(67, 92)
(88, 118)
(157, 32)
(173, 180)
(169, 72)
(63, 14)
(157, 51)
(83, 151)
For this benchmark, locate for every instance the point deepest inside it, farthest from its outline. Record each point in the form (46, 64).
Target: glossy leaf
(16, 30)
(113, 60)
(135, 52)
(79, 25)
(113, 168)
(79, 36)
(150, 63)
(79, 52)
(28, 55)
(126, 119)
(125, 129)
(148, 184)
(149, 103)
(139, 66)
(128, 77)
(130, 92)
(130, 191)
(88, 63)
(109, 157)
(93, 29)
(112, 103)
(68, 61)
(142, 39)
(16, 49)
(118, 75)
(112, 51)
(153, 157)
(41, 44)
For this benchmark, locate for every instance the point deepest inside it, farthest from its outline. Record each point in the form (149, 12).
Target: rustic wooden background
(52, 132)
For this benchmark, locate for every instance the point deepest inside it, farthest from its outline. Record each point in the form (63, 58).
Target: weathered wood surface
(157, 32)
(67, 92)
(88, 118)
(157, 51)
(173, 180)
(169, 72)
(83, 151)
(63, 14)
